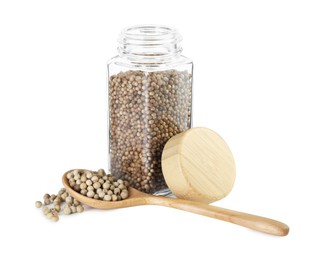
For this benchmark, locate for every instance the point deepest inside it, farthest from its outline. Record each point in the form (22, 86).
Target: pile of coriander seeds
(98, 185)
(93, 184)
(62, 202)
(146, 109)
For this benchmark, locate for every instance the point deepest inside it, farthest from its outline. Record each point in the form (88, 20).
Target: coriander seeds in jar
(149, 101)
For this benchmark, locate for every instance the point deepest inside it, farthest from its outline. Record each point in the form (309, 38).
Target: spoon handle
(254, 222)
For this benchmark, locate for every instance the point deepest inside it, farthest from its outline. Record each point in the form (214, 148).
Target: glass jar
(149, 101)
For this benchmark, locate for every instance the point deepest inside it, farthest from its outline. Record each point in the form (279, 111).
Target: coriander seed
(67, 211)
(38, 204)
(80, 209)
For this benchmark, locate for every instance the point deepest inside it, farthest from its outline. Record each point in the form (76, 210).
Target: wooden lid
(198, 165)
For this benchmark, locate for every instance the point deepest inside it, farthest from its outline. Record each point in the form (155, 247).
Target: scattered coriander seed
(64, 195)
(69, 200)
(46, 196)
(67, 211)
(47, 201)
(76, 203)
(55, 218)
(57, 201)
(38, 204)
(57, 208)
(80, 208)
(46, 210)
(73, 209)
(49, 215)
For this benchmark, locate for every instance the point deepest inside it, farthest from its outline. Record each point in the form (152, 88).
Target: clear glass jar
(149, 101)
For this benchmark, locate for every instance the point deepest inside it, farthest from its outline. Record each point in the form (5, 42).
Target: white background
(254, 83)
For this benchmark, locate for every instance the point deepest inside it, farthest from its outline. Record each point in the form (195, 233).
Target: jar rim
(149, 40)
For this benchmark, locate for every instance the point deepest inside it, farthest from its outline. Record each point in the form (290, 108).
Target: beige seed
(84, 192)
(89, 188)
(46, 210)
(38, 204)
(107, 198)
(55, 218)
(101, 194)
(116, 191)
(83, 186)
(73, 209)
(122, 187)
(64, 195)
(124, 194)
(106, 186)
(80, 208)
(61, 191)
(97, 185)
(69, 200)
(101, 172)
(90, 194)
(67, 211)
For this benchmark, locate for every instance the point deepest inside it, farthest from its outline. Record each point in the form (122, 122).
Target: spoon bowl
(137, 198)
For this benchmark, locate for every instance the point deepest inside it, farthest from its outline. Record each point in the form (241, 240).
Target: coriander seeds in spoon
(137, 198)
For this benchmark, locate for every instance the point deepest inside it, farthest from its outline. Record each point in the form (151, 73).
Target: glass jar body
(149, 101)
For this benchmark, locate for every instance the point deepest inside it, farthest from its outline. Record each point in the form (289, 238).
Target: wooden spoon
(137, 198)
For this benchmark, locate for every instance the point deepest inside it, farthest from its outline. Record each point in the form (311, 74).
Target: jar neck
(149, 42)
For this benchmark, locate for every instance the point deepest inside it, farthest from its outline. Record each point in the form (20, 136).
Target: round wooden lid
(198, 165)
